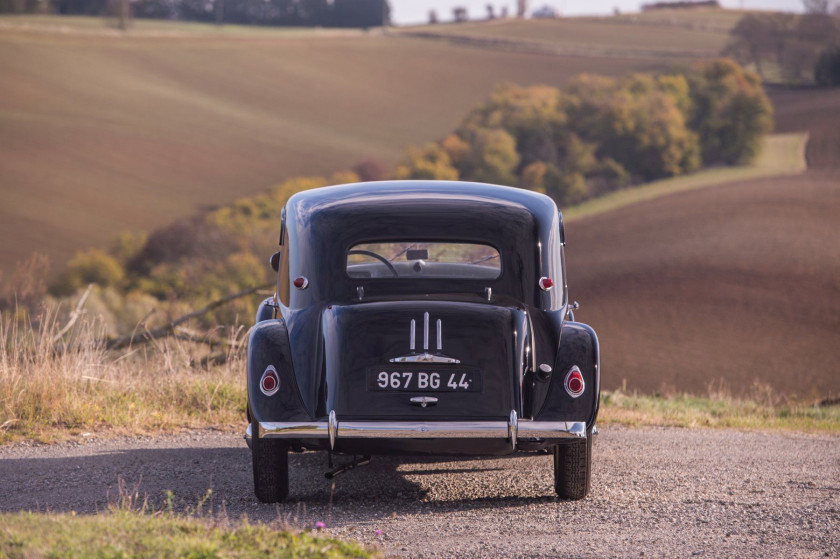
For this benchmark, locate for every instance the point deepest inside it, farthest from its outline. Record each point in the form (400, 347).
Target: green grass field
(782, 154)
(135, 534)
(104, 131)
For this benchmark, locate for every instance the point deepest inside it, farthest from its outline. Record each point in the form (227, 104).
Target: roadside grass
(758, 411)
(53, 390)
(123, 533)
(782, 154)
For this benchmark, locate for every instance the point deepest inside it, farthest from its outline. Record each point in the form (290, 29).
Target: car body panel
(327, 338)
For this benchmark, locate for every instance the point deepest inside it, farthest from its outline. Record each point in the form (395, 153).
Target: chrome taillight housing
(574, 382)
(270, 381)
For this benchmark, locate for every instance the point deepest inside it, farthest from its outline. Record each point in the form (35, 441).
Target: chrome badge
(425, 357)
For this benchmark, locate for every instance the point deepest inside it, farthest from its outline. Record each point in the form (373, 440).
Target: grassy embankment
(759, 411)
(133, 534)
(782, 154)
(57, 390)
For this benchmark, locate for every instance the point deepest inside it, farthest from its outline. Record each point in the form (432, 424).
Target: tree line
(310, 13)
(801, 48)
(599, 134)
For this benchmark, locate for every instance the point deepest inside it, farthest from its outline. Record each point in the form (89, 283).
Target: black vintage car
(421, 317)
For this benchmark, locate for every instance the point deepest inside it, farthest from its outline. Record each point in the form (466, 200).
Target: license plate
(393, 379)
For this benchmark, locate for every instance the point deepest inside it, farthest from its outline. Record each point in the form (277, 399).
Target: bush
(89, 266)
(430, 162)
(730, 111)
(827, 68)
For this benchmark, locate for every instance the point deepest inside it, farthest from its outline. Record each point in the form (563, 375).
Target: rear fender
(266, 310)
(268, 345)
(578, 347)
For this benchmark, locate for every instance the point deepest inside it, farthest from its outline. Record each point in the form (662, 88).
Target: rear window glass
(418, 260)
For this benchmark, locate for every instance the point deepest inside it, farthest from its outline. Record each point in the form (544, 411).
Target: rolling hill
(104, 132)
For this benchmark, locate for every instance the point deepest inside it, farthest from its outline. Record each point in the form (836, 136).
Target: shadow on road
(91, 483)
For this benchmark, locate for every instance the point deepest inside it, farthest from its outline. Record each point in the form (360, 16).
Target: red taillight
(546, 283)
(574, 382)
(301, 282)
(270, 382)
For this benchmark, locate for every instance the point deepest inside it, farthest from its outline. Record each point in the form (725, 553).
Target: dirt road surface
(656, 493)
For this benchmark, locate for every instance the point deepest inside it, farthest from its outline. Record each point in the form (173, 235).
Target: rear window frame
(491, 245)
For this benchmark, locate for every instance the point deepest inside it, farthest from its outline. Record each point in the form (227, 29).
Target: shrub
(730, 111)
(89, 266)
(430, 162)
(827, 68)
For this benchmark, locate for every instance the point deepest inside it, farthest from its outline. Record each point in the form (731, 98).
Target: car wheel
(573, 468)
(271, 468)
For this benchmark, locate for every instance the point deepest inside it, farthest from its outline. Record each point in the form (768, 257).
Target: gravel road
(656, 493)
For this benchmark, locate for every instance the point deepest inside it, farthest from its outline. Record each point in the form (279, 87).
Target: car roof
(414, 209)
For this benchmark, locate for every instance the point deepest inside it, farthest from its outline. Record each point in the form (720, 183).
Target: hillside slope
(739, 283)
(103, 132)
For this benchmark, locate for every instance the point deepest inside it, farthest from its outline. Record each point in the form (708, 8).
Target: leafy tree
(531, 115)
(827, 67)
(430, 162)
(787, 42)
(731, 111)
(127, 245)
(89, 266)
(490, 156)
(370, 170)
(633, 122)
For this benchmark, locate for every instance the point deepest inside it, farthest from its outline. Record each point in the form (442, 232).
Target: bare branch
(77, 311)
(169, 329)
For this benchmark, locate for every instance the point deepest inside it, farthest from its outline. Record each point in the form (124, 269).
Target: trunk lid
(419, 360)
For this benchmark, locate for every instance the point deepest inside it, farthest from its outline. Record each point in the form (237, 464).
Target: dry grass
(762, 408)
(51, 390)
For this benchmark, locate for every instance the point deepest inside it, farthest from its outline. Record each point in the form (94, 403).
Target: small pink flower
(320, 525)
(379, 532)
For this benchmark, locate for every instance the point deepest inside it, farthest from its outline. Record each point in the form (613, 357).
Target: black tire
(271, 469)
(573, 468)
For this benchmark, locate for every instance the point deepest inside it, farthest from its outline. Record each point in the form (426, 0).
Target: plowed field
(735, 284)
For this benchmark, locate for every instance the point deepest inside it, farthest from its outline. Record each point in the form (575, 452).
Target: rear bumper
(512, 430)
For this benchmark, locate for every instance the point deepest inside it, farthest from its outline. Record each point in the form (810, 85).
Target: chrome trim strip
(424, 401)
(424, 358)
(426, 332)
(439, 335)
(513, 429)
(298, 430)
(551, 429)
(333, 429)
(423, 429)
(412, 337)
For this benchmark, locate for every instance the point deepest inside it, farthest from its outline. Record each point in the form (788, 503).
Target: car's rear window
(419, 260)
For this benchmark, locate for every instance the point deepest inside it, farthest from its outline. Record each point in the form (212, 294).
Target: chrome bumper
(514, 429)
